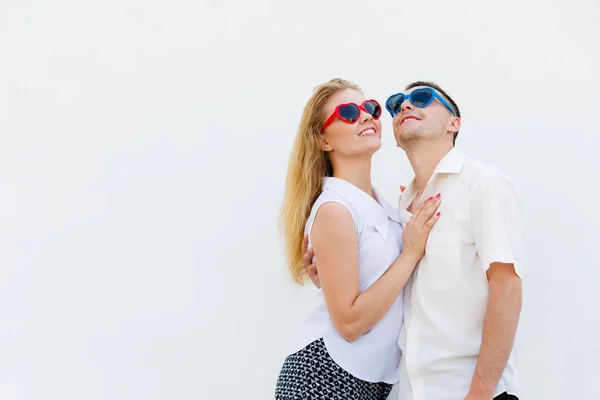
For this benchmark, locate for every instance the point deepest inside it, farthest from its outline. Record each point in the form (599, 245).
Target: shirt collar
(377, 211)
(451, 163)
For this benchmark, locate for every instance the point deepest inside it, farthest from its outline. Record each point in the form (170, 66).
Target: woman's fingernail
(438, 195)
(430, 198)
(438, 214)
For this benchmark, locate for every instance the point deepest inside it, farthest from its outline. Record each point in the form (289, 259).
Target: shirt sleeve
(495, 220)
(327, 198)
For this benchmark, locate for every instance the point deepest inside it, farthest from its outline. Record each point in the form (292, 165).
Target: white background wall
(142, 160)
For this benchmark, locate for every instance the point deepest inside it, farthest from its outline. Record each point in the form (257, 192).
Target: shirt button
(416, 381)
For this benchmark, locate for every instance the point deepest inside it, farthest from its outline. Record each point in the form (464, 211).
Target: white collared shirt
(446, 299)
(375, 356)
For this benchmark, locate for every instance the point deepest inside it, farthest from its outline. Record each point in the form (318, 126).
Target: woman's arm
(334, 241)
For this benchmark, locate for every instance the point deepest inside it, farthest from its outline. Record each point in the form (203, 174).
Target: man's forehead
(419, 87)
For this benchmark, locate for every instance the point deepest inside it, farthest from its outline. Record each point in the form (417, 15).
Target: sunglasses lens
(394, 103)
(421, 97)
(373, 108)
(349, 112)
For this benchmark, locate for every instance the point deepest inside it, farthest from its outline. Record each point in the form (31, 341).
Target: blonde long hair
(307, 166)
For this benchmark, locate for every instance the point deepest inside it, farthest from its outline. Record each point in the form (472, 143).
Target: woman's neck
(357, 172)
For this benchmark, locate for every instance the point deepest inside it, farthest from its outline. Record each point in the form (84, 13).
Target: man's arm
(499, 328)
(496, 232)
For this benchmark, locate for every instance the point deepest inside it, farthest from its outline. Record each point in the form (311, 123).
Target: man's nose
(406, 105)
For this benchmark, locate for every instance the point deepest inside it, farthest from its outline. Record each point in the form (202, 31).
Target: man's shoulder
(480, 176)
(479, 171)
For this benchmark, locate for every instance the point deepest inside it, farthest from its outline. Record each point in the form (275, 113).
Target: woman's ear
(324, 144)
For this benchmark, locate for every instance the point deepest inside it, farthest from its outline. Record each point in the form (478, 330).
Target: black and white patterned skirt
(311, 374)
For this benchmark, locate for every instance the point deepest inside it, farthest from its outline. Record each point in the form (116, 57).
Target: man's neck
(424, 157)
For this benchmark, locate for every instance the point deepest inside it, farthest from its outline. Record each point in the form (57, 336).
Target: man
(463, 303)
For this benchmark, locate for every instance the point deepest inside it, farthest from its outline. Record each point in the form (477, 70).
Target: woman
(347, 348)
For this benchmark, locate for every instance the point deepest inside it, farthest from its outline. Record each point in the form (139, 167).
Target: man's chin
(407, 137)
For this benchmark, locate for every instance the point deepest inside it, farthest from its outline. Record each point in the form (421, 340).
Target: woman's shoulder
(330, 196)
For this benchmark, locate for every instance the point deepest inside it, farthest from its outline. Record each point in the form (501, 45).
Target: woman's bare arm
(334, 241)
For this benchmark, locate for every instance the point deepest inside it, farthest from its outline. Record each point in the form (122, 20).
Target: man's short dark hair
(441, 91)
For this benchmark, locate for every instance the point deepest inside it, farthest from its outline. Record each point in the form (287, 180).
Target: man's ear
(454, 125)
(325, 146)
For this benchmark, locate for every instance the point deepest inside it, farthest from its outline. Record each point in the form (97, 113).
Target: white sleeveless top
(375, 356)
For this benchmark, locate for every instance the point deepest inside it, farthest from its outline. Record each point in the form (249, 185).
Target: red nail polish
(430, 198)
(437, 195)
(438, 214)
